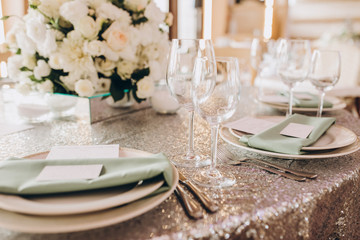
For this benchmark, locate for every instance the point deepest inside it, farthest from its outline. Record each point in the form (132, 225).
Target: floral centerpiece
(83, 47)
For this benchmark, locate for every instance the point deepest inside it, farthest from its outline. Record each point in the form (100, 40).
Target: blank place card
(69, 172)
(250, 125)
(297, 130)
(87, 152)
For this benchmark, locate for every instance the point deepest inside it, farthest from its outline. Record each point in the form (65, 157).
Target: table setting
(196, 167)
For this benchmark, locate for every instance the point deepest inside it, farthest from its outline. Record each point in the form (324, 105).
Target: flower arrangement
(83, 47)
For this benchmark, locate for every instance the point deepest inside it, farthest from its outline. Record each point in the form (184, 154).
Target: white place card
(297, 130)
(87, 151)
(69, 172)
(275, 99)
(6, 128)
(250, 125)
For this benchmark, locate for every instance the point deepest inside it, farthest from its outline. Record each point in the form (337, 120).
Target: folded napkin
(312, 102)
(18, 176)
(272, 140)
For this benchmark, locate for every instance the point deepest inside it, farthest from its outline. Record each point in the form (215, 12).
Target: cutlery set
(297, 175)
(192, 207)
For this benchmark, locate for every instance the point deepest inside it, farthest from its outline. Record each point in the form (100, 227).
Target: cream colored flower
(45, 87)
(135, 5)
(88, 27)
(103, 85)
(125, 69)
(169, 19)
(73, 11)
(110, 11)
(105, 66)
(145, 88)
(84, 88)
(42, 69)
(154, 14)
(29, 61)
(95, 48)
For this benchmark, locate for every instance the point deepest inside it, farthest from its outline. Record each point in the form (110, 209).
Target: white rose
(145, 88)
(14, 63)
(103, 85)
(154, 14)
(116, 36)
(56, 61)
(70, 80)
(29, 61)
(95, 48)
(42, 69)
(49, 44)
(110, 11)
(36, 30)
(45, 87)
(74, 10)
(23, 88)
(110, 54)
(125, 69)
(135, 5)
(88, 27)
(25, 43)
(105, 66)
(84, 88)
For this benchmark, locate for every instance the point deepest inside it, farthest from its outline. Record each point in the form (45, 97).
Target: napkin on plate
(271, 139)
(312, 102)
(18, 176)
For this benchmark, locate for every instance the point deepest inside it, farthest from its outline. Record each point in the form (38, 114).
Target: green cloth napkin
(272, 140)
(308, 103)
(18, 176)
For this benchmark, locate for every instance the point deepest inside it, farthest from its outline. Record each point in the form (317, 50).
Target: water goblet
(215, 99)
(324, 73)
(179, 78)
(293, 64)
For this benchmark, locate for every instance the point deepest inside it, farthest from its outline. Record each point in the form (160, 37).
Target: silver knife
(192, 207)
(208, 203)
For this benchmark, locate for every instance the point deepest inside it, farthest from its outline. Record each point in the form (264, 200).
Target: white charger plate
(335, 137)
(337, 105)
(79, 222)
(231, 139)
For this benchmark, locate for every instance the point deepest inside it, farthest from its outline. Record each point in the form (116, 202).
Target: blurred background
(234, 24)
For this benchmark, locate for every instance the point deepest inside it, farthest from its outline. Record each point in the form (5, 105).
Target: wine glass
(215, 98)
(293, 64)
(179, 77)
(324, 72)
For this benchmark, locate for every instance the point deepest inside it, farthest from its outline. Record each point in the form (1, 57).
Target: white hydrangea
(105, 66)
(95, 48)
(154, 14)
(125, 69)
(87, 27)
(110, 11)
(45, 87)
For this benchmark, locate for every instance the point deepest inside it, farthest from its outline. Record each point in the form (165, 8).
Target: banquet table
(260, 206)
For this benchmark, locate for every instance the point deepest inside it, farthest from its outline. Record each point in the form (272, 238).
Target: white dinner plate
(91, 220)
(231, 139)
(335, 137)
(337, 105)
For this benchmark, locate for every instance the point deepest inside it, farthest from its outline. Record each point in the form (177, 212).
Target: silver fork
(228, 157)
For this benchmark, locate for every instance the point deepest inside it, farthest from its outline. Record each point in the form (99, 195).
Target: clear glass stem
(190, 150)
(291, 97)
(214, 140)
(321, 103)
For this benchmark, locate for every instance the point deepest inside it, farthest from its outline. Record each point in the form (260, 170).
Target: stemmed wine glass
(324, 72)
(215, 98)
(179, 80)
(293, 64)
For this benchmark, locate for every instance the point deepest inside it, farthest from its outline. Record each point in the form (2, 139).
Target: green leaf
(139, 21)
(140, 73)
(137, 99)
(18, 52)
(32, 78)
(25, 69)
(118, 3)
(5, 18)
(104, 26)
(33, 6)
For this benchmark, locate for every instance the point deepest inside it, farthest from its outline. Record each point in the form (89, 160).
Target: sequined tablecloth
(260, 206)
